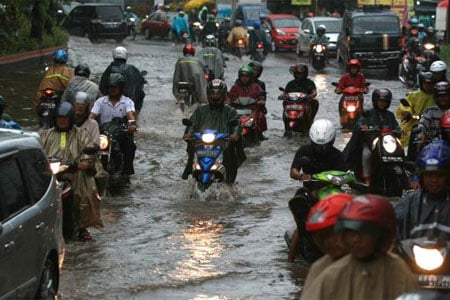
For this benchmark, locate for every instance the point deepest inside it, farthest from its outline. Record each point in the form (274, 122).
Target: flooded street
(163, 239)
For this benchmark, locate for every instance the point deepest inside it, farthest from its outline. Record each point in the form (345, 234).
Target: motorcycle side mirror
(334, 83)
(405, 102)
(186, 122)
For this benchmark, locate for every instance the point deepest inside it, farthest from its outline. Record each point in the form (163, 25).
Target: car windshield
(253, 13)
(331, 25)
(376, 24)
(108, 12)
(288, 22)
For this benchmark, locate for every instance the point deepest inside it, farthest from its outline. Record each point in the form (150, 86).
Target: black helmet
(299, 68)
(256, 65)
(83, 70)
(65, 109)
(216, 91)
(425, 77)
(441, 88)
(237, 22)
(210, 41)
(321, 29)
(381, 94)
(116, 79)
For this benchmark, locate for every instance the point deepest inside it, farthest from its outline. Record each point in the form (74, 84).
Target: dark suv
(96, 21)
(371, 35)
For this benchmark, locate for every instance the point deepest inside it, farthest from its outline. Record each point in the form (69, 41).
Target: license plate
(111, 25)
(294, 107)
(48, 105)
(259, 50)
(244, 112)
(434, 281)
(206, 153)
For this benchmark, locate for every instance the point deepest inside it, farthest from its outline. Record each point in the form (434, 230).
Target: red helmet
(325, 212)
(354, 62)
(372, 214)
(189, 49)
(444, 124)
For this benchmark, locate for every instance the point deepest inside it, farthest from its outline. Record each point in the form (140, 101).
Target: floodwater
(163, 239)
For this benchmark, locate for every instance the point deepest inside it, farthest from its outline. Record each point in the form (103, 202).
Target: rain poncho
(190, 69)
(57, 77)
(69, 145)
(81, 84)
(384, 277)
(180, 25)
(213, 60)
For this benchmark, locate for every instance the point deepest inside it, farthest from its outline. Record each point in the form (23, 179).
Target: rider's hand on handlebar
(305, 177)
(234, 137)
(187, 136)
(131, 128)
(364, 127)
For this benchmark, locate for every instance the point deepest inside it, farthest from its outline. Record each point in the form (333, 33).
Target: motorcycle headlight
(208, 138)
(351, 108)
(319, 48)
(104, 142)
(389, 144)
(132, 20)
(428, 259)
(336, 180)
(54, 166)
(429, 46)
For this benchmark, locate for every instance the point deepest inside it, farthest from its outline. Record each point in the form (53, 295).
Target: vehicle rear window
(288, 22)
(253, 13)
(376, 24)
(331, 26)
(106, 12)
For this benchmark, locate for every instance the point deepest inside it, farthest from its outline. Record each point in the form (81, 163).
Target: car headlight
(389, 144)
(104, 142)
(428, 259)
(280, 32)
(208, 138)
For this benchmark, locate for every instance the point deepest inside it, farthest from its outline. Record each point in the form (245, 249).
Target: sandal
(84, 235)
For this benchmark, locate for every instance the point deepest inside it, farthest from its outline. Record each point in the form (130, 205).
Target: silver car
(31, 241)
(308, 30)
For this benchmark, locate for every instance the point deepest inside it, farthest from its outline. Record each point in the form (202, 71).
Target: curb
(29, 57)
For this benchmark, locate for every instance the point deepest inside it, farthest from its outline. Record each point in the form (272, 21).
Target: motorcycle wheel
(133, 33)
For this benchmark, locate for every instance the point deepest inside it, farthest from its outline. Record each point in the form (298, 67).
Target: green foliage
(445, 53)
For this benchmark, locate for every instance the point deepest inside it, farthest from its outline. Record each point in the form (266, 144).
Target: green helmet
(245, 70)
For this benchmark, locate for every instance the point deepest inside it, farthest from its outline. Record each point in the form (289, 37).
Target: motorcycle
(430, 55)
(414, 144)
(295, 112)
(245, 107)
(110, 154)
(427, 252)
(197, 29)
(258, 54)
(131, 27)
(239, 48)
(47, 107)
(350, 105)
(186, 90)
(410, 68)
(208, 165)
(318, 56)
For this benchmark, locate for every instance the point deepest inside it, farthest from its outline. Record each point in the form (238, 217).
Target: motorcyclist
(265, 26)
(224, 29)
(203, 14)
(301, 83)
(430, 38)
(134, 87)
(115, 105)
(190, 69)
(217, 115)
(238, 32)
(429, 121)
(212, 58)
(414, 55)
(57, 77)
(421, 31)
(439, 70)
(257, 72)
(430, 203)
(132, 20)
(320, 223)
(5, 120)
(319, 38)
(257, 35)
(321, 156)
(244, 86)
(367, 227)
(180, 25)
(67, 141)
(418, 101)
(210, 27)
(357, 152)
(81, 82)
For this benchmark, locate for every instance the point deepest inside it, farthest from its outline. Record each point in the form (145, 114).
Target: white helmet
(322, 132)
(120, 53)
(438, 66)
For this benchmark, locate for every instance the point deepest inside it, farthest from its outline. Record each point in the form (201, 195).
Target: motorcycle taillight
(260, 45)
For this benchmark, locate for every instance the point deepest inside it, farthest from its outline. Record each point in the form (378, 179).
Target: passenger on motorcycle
(258, 68)
(180, 25)
(257, 35)
(367, 227)
(430, 203)
(66, 141)
(115, 105)
(439, 70)
(5, 120)
(212, 58)
(357, 152)
(320, 223)
(244, 86)
(81, 83)
(321, 156)
(190, 69)
(57, 77)
(238, 32)
(319, 38)
(301, 83)
(134, 87)
(418, 101)
(217, 115)
(429, 121)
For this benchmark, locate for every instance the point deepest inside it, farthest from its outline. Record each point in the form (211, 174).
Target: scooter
(414, 144)
(186, 90)
(410, 68)
(350, 105)
(47, 107)
(430, 55)
(258, 54)
(318, 56)
(239, 48)
(131, 27)
(295, 112)
(245, 107)
(208, 164)
(427, 252)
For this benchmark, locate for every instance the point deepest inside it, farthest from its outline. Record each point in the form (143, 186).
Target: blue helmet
(262, 16)
(434, 157)
(60, 56)
(257, 24)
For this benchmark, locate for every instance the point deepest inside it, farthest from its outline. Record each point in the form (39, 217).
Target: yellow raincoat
(237, 33)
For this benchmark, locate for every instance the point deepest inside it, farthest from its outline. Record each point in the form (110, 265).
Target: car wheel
(48, 286)
(147, 34)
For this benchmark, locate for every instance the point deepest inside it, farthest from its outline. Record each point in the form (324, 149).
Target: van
(31, 240)
(96, 21)
(249, 13)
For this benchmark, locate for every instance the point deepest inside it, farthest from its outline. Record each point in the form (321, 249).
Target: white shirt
(104, 108)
